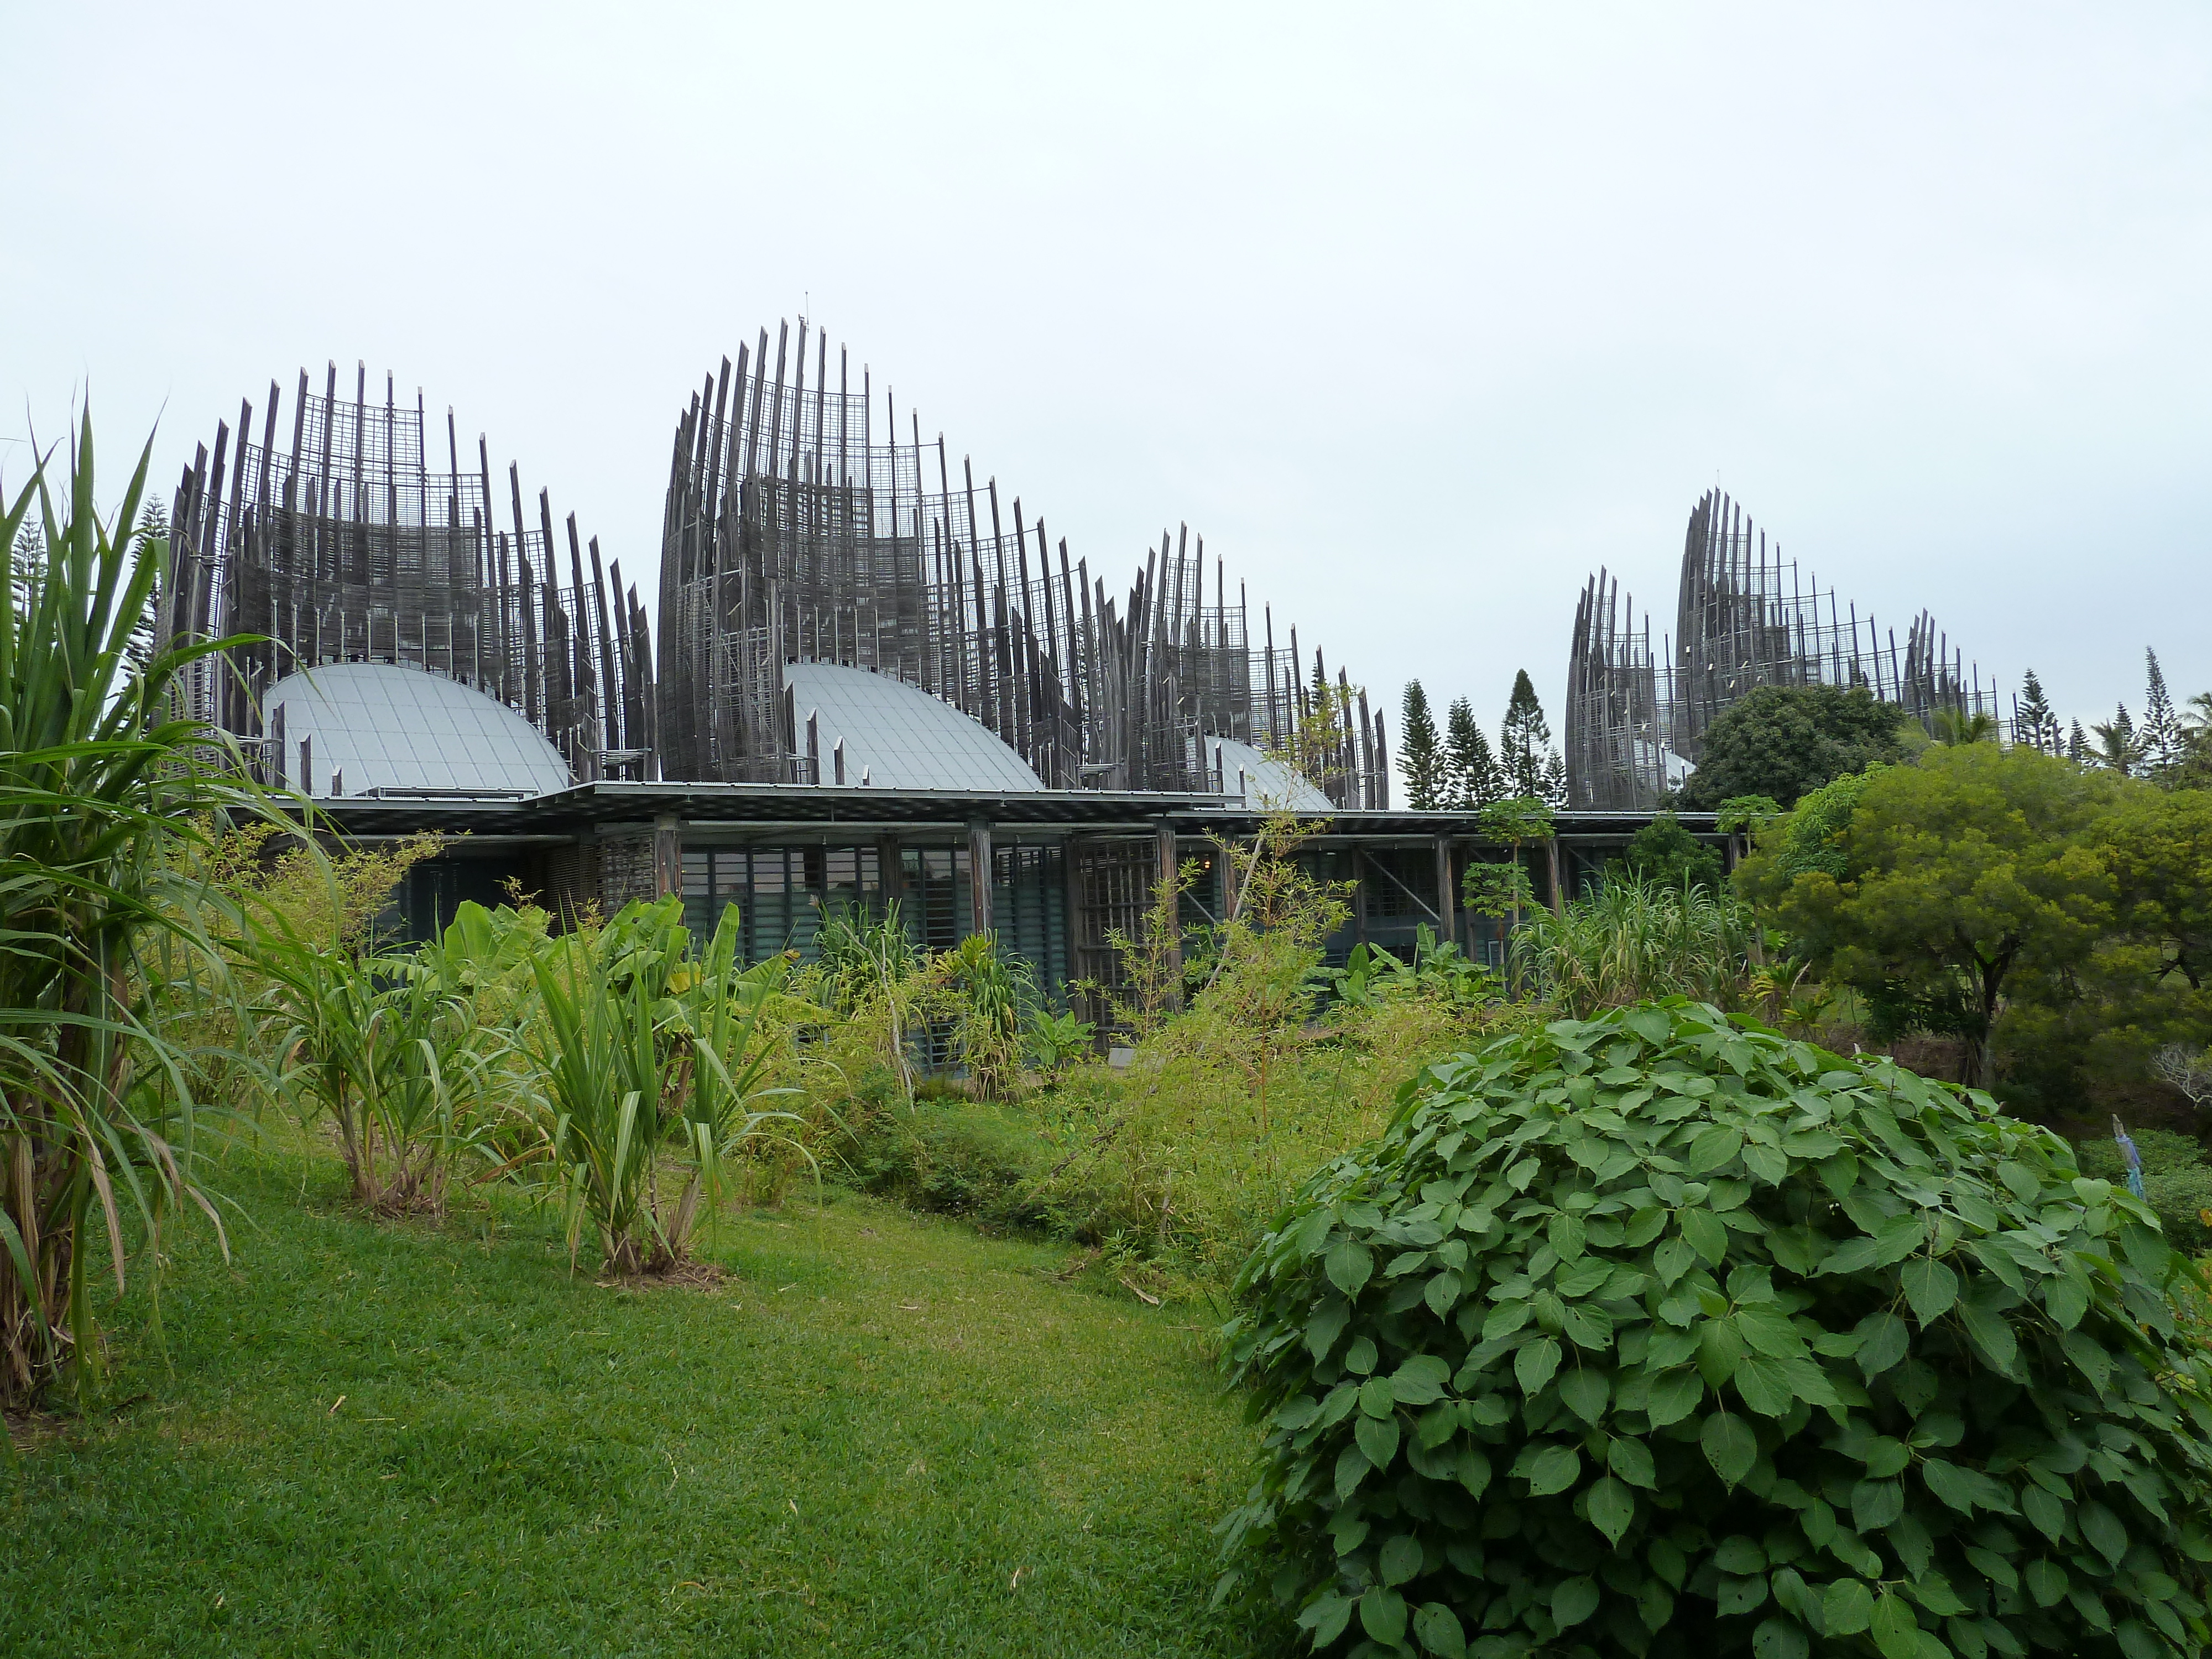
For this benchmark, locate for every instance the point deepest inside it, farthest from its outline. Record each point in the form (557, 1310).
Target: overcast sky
(1419, 315)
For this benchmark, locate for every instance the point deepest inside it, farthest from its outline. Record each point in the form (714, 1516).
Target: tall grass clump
(648, 1051)
(1635, 941)
(105, 784)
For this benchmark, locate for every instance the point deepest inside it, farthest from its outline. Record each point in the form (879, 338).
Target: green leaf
(1769, 1164)
(1553, 1470)
(1739, 1555)
(2045, 1582)
(1632, 1461)
(1848, 1607)
(1875, 1504)
(1585, 1390)
(1730, 1447)
(1442, 1292)
(1377, 1438)
(1350, 1264)
(1566, 1236)
(1896, 1627)
(1675, 1397)
(1436, 1628)
(1990, 1334)
(1377, 1396)
(1777, 1637)
(1765, 1386)
(1714, 1149)
(2044, 1512)
(1949, 1482)
(1738, 1596)
(1883, 1340)
(1705, 1235)
(1326, 1618)
(1420, 1381)
(1931, 1286)
(1382, 1615)
(1400, 1559)
(2104, 1531)
(1473, 1467)
(1352, 1467)
(1612, 1508)
(1574, 1601)
(2066, 1299)
(1325, 1326)
(1673, 1259)
(1535, 1364)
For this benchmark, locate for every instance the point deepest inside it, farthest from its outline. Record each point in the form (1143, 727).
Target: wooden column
(1447, 899)
(667, 856)
(1552, 858)
(979, 875)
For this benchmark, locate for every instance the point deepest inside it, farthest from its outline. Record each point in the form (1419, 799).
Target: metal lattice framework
(1745, 617)
(804, 524)
(346, 547)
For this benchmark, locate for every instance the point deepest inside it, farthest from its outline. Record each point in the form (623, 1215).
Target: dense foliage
(1651, 1335)
(101, 780)
(1668, 855)
(1783, 740)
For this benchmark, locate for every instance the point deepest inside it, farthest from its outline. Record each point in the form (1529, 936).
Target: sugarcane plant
(650, 1068)
(106, 780)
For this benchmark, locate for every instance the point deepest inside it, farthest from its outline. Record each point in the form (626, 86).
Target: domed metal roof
(1267, 783)
(898, 737)
(386, 726)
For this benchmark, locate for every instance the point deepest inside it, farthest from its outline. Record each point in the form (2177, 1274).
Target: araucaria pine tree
(1523, 740)
(1421, 756)
(2077, 745)
(1471, 772)
(2034, 724)
(2160, 735)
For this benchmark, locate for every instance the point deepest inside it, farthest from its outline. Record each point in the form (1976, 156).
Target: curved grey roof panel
(899, 737)
(1267, 784)
(388, 727)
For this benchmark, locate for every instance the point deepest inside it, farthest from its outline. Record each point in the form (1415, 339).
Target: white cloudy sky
(1419, 314)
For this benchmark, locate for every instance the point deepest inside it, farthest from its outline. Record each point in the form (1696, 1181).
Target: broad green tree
(1421, 756)
(1666, 854)
(1783, 740)
(1958, 875)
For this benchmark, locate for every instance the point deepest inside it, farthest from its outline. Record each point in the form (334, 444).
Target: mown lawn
(882, 1434)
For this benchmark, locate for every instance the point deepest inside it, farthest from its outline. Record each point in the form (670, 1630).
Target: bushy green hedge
(1652, 1334)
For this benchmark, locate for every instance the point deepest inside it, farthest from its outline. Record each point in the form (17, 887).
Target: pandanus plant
(651, 1055)
(104, 783)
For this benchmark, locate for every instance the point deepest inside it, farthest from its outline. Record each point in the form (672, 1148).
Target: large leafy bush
(1653, 1334)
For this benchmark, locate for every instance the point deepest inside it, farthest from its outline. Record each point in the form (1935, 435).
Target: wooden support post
(1552, 860)
(667, 856)
(979, 875)
(1447, 899)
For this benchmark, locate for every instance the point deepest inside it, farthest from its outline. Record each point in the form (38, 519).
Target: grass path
(881, 1435)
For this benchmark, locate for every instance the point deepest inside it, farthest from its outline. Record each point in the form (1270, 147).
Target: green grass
(853, 1445)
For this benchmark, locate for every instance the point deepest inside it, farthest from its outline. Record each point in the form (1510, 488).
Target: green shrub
(1653, 1335)
(2177, 1181)
(960, 1158)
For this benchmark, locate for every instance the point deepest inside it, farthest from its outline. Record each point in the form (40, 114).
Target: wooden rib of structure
(1744, 617)
(344, 546)
(807, 522)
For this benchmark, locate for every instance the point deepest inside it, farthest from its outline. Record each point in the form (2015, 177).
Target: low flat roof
(812, 808)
